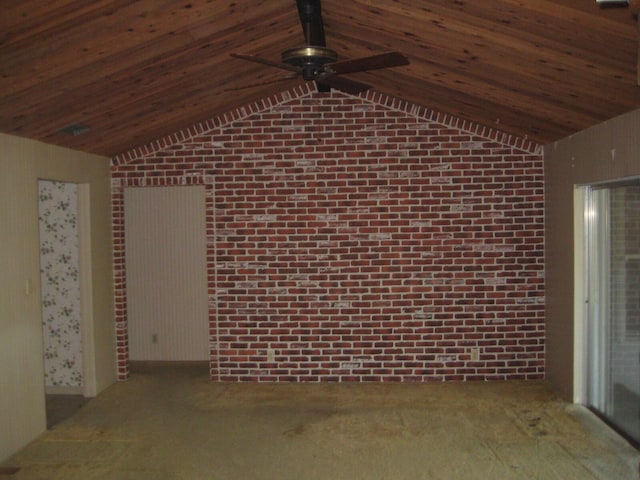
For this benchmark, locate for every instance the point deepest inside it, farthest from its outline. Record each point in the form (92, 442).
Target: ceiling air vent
(75, 129)
(613, 3)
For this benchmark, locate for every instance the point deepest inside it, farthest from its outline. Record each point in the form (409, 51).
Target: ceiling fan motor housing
(310, 59)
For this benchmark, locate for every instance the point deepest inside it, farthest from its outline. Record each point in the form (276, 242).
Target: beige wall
(22, 163)
(607, 151)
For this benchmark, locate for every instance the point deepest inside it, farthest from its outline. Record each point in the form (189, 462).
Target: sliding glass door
(612, 214)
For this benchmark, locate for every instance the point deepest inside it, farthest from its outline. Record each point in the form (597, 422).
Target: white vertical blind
(598, 281)
(165, 242)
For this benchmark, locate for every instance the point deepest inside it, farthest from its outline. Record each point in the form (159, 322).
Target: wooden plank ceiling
(134, 71)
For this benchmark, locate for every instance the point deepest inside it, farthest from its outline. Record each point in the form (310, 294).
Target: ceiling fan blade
(341, 83)
(259, 84)
(264, 61)
(310, 13)
(374, 62)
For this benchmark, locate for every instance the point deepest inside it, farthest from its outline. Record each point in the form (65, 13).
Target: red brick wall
(359, 239)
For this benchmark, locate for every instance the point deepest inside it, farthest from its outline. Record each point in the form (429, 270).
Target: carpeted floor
(173, 423)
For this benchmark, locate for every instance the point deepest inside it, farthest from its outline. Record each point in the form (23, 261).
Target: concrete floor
(172, 423)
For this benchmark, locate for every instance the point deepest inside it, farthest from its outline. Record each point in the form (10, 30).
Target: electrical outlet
(154, 338)
(475, 354)
(271, 355)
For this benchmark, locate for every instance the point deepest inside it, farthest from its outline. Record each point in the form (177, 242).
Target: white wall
(22, 163)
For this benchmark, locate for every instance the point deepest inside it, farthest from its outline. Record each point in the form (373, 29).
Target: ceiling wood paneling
(134, 71)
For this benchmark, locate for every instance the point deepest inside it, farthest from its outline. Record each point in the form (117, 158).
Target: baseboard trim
(137, 364)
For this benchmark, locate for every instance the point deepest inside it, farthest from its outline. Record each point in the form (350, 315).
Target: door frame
(580, 295)
(89, 384)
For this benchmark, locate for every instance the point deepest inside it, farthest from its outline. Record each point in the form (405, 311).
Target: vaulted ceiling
(134, 71)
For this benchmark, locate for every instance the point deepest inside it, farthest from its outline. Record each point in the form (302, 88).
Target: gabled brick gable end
(357, 238)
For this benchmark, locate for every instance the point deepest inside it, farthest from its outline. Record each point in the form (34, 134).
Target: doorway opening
(166, 275)
(608, 303)
(65, 280)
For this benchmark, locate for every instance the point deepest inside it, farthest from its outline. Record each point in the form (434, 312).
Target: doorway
(65, 282)
(611, 304)
(166, 274)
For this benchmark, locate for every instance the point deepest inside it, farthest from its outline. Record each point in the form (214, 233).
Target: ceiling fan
(314, 61)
